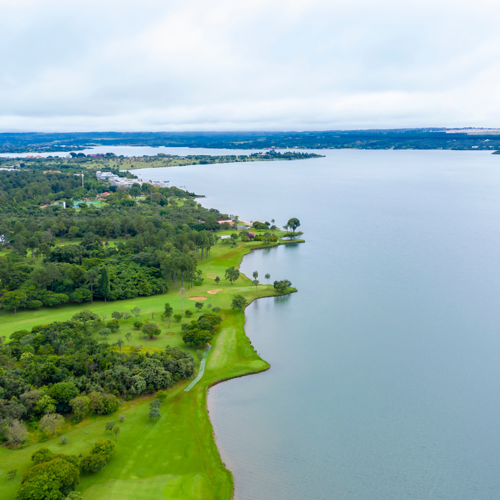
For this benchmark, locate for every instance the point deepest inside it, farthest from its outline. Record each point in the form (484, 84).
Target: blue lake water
(385, 378)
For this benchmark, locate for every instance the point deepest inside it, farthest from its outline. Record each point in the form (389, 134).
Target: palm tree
(255, 275)
(182, 295)
(119, 343)
(268, 277)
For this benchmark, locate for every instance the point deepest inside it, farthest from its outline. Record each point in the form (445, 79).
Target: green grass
(175, 457)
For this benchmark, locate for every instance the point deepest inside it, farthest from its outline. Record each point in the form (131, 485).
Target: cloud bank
(247, 64)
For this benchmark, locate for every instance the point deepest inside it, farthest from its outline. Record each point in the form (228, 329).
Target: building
(159, 183)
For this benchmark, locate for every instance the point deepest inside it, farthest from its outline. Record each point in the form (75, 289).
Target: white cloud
(250, 64)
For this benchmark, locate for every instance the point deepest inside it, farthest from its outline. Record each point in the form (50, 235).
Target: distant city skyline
(247, 65)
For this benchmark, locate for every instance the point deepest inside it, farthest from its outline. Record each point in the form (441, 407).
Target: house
(103, 195)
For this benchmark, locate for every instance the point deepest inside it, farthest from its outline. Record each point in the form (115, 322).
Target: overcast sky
(248, 64)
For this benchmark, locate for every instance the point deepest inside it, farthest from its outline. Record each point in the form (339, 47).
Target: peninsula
(108, 313)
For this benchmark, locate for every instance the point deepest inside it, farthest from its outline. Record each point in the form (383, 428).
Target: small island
(117, 317)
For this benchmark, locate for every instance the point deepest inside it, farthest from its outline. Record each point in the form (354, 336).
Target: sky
(162, 65)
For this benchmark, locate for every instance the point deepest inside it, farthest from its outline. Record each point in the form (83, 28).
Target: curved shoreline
(250, 372)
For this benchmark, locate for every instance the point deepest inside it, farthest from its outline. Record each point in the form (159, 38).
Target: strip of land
(176, 456)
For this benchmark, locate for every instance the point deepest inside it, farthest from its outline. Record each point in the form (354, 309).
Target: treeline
(424, 138)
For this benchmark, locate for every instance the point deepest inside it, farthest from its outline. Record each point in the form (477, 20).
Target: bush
(151, 330)
(104, 447)
(188, 313)
(138, 325)
(103, 404)
(113, 325)
(93, 463)
(49, 480)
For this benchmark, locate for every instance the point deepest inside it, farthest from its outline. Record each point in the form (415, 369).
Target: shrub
(103, 404)
(93, 463)
(49, 480)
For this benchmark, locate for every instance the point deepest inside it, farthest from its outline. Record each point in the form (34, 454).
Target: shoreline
(185, 430)
(250, 372)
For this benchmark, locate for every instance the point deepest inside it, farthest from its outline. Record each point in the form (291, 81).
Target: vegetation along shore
(109, 313)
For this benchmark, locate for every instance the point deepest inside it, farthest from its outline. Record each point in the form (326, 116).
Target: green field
(175, 457)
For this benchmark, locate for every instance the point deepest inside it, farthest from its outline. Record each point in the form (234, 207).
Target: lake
(385, 377)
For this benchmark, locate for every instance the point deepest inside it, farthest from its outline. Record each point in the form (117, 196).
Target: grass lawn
(175, 457)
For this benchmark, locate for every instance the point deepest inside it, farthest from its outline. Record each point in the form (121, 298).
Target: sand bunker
(213, 292)
(197, 298)
(211, 277)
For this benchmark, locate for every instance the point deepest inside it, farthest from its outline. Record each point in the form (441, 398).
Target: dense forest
(140, 242)
(426, 138)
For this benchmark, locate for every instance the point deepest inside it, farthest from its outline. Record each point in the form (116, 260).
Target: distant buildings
(159, 183)
(118, 181)
(11, 168)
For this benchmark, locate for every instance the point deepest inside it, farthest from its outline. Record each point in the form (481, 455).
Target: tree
(268, 277)
(113, 325)
(136, 311)
(93, 463)
(217, 279)
(199, 306)
(105, 332)
(256, 283)
(126, 316)
(239, 302)
(49, 480)
(80, 406)
(51, 422)
(116, 431)
(154, 413)
(282, 285)
(85, 316)
(232, 274)
(128, 336)
(197, 337)
(74, 495)
(12, 300)
(151, 330)
(104, 287)
(182, 296)
(293, 224)
(167, 313)
(63, 393)
(119, 343)
(16, 432)
(91, 278)
(178, 318)
(116, 315)
(255, 275)
(138, 325)
(109, 426)
(161, 395)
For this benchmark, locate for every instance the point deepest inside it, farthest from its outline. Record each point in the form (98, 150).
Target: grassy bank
(176, 456)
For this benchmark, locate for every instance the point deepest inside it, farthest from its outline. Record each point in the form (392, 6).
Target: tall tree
(104, 283)
(167, 313)
(232, 274)
(91, 278)
(293, 224)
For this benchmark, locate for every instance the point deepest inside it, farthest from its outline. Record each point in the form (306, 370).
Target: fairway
(174, 457)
